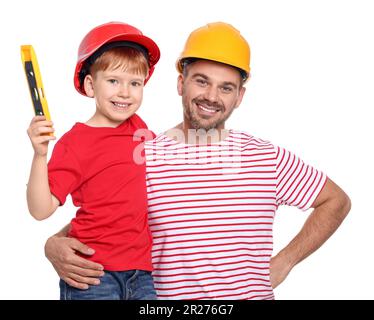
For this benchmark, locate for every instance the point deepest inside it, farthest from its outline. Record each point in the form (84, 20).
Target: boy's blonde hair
(125, 58)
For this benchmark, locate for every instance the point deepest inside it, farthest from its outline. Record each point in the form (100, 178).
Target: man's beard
(197, 123)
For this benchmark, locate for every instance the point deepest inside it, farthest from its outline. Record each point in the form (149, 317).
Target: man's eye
(201, 82)
(226, 89)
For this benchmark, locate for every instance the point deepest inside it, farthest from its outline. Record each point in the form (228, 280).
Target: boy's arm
(40, 201)
(76, 271)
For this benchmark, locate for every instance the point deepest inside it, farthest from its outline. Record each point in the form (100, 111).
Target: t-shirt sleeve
(64, 172)
(298, 184)
(141, 130)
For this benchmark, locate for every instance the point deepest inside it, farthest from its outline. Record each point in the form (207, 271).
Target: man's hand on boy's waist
(76, 271)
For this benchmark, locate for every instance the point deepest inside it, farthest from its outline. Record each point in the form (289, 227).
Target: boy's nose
(123, 91)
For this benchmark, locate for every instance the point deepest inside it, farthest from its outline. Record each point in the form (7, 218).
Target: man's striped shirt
(211, 212)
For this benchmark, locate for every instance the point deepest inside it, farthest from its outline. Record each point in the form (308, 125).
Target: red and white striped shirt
(211, 211)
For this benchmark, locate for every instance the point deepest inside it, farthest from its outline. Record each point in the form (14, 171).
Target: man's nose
(211, 94)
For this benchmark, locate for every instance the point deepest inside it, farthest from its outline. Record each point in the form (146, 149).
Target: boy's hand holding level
(40, 133)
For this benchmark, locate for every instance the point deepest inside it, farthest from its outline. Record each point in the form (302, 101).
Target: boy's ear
(88, 86)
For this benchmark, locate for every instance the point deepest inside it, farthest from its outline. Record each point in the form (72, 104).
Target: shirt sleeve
(141, 129)
(64, 172)
(298, 184)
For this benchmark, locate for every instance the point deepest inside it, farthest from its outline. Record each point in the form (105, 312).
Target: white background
(311, 92)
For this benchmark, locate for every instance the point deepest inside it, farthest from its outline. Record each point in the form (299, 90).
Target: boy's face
(118, 95)
(210, 92)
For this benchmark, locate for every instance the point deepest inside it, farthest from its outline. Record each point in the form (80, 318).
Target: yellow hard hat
(219, 42)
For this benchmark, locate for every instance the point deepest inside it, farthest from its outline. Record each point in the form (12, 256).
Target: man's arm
(330, 208)
(76, 271)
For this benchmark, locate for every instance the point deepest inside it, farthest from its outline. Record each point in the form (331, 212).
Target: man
(213, 193)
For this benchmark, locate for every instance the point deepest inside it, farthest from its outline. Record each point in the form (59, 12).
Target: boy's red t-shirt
(96, 166)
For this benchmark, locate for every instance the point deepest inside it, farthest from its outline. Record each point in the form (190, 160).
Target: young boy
(94, 163)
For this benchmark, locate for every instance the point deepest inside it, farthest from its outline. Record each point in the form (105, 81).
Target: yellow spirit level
(34, 79)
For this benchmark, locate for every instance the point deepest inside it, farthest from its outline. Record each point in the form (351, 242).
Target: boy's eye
(136, 83)
(112, 81)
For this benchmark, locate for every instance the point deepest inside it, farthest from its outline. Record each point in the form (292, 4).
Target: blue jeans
(114, 285)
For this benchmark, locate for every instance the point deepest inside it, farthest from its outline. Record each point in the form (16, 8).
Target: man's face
(210, 92)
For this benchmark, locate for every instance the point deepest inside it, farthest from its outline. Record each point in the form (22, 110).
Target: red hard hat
(113, 32)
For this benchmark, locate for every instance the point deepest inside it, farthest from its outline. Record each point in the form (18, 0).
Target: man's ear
(88, 86)
(240, 97)
(180, 84)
